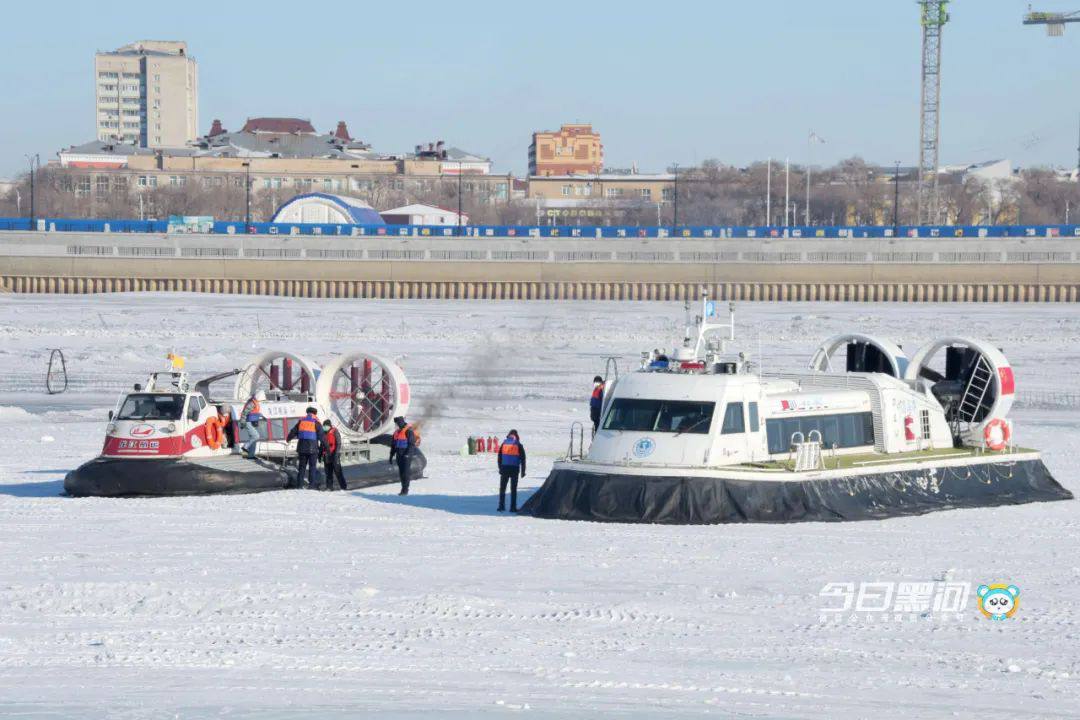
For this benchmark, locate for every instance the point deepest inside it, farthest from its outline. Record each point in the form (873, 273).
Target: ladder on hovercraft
(971, 402)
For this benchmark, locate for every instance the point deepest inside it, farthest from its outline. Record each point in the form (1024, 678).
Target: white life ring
(997, 434)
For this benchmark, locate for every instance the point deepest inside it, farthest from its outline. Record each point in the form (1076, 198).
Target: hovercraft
(164, 439)
(699, 437)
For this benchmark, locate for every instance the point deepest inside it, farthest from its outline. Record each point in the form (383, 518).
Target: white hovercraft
(161, 438)
(697, 437)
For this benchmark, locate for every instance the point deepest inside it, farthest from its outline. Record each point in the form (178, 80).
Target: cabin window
(733, 419)
(671, 416)
(195, 407)
(924, 420)
(844, 430)
(151, 406)
(753, 417)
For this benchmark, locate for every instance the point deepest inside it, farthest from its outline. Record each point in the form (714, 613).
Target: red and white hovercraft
(163, 438)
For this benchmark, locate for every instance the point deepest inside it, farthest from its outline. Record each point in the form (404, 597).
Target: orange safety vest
(401, 437)
(307, 429)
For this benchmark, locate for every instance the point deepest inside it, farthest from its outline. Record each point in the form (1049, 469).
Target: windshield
(151, 406)
(674, 416)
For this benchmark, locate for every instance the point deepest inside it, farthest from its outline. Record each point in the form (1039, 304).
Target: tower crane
(1055, 27)
(933, 17)
(1054, 21)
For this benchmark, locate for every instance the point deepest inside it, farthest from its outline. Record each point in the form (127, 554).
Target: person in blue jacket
(310, 441)
(511, 468)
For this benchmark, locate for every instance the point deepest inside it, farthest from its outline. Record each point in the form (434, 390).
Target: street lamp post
(33, 160)
(896, 199)
(675, 209)
(459, 197)
(247, 197)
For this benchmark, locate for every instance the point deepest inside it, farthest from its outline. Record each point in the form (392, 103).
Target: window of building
(844, 430)
(157, 139)
(82, 186)
(101, 184)
(327, 185)
(238, 182)
(668, 193)
(157, 78)
(120, 184)
(567, 189)
(646, 194)
(108, 75)
(614, 192)
(733, 419)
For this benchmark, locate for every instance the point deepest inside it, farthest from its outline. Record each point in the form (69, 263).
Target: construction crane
(933, 18)
(1054, 21)
(1055, 27)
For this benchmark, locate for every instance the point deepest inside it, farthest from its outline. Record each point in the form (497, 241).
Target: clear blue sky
(678, 81)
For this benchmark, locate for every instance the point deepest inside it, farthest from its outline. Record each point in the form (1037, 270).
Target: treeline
(851, 192)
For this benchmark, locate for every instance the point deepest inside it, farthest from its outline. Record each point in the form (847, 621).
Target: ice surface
(290, 604)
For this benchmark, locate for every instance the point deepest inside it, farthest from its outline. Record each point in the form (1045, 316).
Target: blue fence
(558, 231)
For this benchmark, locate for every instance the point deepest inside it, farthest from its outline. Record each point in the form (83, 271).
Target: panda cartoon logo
(998, 602)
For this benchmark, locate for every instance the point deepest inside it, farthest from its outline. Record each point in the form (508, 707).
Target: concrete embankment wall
(929, 270)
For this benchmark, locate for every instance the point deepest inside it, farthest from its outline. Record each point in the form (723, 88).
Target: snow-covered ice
(289, 604)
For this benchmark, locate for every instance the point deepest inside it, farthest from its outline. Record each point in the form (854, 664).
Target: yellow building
(573, 150)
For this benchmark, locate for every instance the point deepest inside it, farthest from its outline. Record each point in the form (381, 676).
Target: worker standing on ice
(332, 457)
(511, 468)
(401, 447)
(308, 434)
(596, 402)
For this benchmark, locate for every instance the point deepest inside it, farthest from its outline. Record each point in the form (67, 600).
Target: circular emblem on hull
(644, 447)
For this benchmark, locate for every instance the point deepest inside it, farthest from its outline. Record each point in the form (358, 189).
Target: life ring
(1005, 434)
(214, 434)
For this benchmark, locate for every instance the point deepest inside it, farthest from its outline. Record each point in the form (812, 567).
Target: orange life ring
(988, 434)
(214, 434)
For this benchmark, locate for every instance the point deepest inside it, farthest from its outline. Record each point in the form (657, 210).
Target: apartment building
(574, 149)
(147, 95)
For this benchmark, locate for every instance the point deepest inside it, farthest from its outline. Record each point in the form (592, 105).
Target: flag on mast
(815, 138)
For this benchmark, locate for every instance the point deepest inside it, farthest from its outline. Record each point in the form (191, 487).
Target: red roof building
(278, 125)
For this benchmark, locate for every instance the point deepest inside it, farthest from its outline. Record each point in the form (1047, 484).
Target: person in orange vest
(332, 457)
(310, 440)
(511, 468)
(224, 417)
(596, 402)
(401, 448)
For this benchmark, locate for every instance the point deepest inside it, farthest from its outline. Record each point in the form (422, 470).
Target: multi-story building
(281, 157)
(573, 150)
(147, 95)
(600, 198)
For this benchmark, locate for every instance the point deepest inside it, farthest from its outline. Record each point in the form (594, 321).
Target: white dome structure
(324, 208)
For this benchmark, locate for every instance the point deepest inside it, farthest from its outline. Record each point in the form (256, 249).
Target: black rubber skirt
(112, 477)
(570, 494)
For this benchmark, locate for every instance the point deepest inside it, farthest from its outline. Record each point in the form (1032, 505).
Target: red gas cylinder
(493, 444)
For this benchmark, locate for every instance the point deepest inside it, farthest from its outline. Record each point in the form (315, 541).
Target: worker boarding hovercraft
(697, 436)
(164, 438)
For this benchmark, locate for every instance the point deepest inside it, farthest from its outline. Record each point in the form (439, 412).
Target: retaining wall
(861, 270)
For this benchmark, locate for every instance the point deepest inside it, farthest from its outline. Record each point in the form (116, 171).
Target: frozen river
(290, 604)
